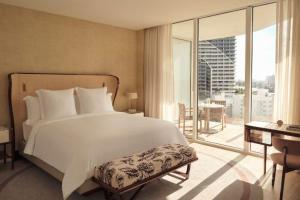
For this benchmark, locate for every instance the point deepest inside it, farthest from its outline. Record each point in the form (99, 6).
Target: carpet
(218, 174)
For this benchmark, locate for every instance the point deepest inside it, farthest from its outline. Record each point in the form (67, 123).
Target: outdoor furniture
(201, 116)
(219, 112)
(184, 115)
(220, 102)
(212, 111)
(289, 158)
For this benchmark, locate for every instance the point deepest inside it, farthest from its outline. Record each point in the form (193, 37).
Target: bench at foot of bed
(135, 171)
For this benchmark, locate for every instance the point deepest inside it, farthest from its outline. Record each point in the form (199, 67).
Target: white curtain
(287, 86)
(159, 74)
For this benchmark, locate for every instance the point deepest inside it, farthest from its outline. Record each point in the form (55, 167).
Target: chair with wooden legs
(184, 115)
(187, 114)
(220, 113)
(201, 116)
(288, 157)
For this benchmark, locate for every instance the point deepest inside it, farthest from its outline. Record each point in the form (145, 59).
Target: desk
(252, 135)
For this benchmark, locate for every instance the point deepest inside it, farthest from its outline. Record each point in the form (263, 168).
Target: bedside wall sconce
(132, 96)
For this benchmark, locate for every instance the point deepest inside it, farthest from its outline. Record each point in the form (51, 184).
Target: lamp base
(131, 110)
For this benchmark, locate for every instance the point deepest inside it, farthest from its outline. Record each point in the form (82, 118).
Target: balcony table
(207, 107)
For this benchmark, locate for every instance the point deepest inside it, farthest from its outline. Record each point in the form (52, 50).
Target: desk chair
(288, 157)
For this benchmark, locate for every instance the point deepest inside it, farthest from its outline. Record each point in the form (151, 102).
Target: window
(221, 70)
(182, 61)
(263, 65)
(182, 50)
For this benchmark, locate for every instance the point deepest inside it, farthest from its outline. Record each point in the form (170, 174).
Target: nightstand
(138, 113)
(4, 140)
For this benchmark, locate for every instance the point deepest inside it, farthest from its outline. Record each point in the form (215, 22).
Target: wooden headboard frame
(24, 84)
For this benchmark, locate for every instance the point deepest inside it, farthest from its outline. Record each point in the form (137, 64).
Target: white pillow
(33, 109)
(109, 106)
(92, 100)
(56, 104)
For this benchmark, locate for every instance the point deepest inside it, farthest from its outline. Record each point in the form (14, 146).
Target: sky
(264, 47)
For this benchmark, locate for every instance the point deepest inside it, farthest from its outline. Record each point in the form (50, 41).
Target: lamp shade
(132, 95)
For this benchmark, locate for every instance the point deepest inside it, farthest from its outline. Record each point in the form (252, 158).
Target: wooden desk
(254, 133)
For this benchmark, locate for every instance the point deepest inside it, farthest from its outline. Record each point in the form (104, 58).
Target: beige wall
(32, 41)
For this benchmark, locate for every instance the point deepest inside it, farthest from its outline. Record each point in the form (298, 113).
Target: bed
(71, 147)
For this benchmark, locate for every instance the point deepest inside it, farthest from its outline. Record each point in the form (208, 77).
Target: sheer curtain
(159, 74)
(287, 85)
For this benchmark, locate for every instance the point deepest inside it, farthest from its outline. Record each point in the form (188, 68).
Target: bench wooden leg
(188, 169)
(186, 174)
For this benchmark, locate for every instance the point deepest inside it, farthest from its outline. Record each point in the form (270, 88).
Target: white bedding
(75, 145)
(27, 127)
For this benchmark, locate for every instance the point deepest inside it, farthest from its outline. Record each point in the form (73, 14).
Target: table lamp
(131, 97)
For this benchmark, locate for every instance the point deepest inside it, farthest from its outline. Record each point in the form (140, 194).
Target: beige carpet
(218, 174)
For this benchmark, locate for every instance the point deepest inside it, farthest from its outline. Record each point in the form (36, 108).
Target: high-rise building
(216, 60)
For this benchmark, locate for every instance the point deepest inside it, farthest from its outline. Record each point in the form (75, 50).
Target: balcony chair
(184, 115)
(187, 114)
(288, 157)
(219, 113)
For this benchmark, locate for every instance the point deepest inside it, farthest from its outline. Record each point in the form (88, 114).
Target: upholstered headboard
(24, 84)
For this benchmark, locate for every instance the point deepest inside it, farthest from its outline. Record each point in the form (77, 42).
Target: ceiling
(226, 25)
(132, 14)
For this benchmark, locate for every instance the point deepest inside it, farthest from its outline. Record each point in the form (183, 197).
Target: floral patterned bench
(127, 173)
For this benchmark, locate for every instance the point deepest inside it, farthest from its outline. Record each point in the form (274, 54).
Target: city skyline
(263, 66)
(216, 66)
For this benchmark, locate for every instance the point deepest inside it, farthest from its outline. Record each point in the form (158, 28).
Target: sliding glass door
(221, 78)
(224, 72)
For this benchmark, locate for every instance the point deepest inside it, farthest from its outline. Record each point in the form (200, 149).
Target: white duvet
(75, 145)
